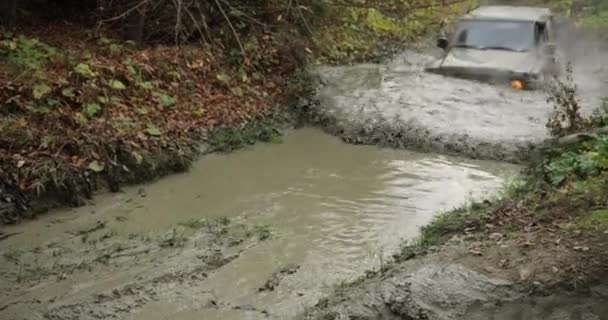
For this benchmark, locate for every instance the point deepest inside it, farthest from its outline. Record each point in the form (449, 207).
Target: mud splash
(398, 104)
(258, 234)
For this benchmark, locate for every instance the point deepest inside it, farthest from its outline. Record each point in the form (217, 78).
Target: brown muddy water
(258, 234)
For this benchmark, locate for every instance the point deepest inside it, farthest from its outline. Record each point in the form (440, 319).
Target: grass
(451, 222)
(594, 220)
(261, 231)
(228, 139)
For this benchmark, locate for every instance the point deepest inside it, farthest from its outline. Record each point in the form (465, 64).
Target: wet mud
(241, 236)
(398, 104)
(434, 288)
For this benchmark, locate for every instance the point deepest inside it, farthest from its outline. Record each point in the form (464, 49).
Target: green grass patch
(595, 220)
(232, 138)
(449, 223)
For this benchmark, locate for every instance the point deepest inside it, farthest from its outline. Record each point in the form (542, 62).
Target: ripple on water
(337, 210)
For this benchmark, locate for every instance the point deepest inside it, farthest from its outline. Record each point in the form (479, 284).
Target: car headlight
(517, 84)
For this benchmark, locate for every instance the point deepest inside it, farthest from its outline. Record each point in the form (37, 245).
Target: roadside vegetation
(555, 216)
(99, 94)
(590, 15)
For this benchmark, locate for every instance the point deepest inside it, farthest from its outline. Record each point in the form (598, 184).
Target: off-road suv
(501, 44)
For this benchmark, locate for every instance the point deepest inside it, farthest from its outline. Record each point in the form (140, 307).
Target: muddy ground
(342, 209)
(53, 280)
(397, 104)
(451, 283)
(278, 237)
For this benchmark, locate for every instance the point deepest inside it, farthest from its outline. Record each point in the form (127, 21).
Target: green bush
(25, 53)
(587, 160)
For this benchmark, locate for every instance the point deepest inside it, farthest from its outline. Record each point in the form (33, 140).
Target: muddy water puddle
(257, 234)
(399, 104)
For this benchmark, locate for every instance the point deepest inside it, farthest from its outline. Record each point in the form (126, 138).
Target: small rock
(558, 241)
(503, 263)
(555, 269)
(496, 236)
(490, 269)
(476, 252)
(524, 274)
(581, 248)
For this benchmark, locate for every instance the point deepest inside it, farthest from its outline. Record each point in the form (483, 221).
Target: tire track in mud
(143, 271)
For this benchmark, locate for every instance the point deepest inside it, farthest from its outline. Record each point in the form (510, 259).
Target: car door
(547, 47)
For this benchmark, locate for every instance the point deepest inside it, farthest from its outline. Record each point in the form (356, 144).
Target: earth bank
(488, 252)
(124, 114)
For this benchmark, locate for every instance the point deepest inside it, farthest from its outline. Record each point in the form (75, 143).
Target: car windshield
(501, 35)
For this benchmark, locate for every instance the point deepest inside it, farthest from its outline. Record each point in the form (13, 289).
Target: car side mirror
(443, 43)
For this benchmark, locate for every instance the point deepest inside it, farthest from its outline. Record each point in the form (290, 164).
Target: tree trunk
(135, 22)
(8, 13)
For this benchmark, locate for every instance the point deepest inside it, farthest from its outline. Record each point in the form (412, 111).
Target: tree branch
(236, 36)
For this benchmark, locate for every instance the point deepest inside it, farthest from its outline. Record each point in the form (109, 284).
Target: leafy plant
(117, 85)
(566, 117)
(166, 100)
(153, 130)
(590, 159)
(599, 118)
(40, 90)
(91, 109)
(24, 52)
(96, 166)
(85, 70)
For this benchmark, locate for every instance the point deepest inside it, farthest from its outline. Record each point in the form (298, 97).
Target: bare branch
(236, 36)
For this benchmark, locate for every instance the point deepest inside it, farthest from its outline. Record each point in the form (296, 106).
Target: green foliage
(229, 139)
(599, 118)
(91, 109)
(597, 219)
(40, 90)
(68, 93)
(349, 31)
(165, 99)
(113, 47)
(566, 117)
(96, 166)
(448, 223)
(117, 85)
(587, 160)
(85, 70)
(25, 53)
(153, 130)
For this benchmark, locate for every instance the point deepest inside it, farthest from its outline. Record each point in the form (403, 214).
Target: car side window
(541, 35)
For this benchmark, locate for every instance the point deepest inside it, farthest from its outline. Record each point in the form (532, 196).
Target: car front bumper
(529, 80)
